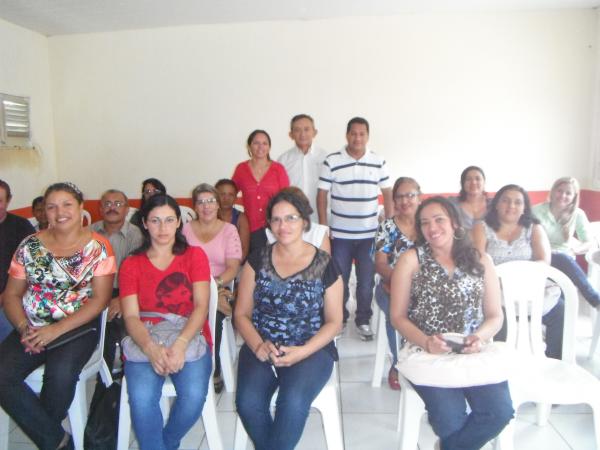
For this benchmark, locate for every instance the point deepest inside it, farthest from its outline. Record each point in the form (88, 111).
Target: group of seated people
(287, 302)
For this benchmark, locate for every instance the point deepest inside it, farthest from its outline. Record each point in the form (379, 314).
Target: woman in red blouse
(259, 179)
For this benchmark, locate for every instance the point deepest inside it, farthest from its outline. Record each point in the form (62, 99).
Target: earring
(460, 233)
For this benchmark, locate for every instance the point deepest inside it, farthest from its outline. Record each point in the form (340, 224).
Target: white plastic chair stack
(328, 405)
(539, 379)
(593, 260)
(209, 412)
(78, 412)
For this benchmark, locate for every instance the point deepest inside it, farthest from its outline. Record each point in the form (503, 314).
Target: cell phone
(456, 344)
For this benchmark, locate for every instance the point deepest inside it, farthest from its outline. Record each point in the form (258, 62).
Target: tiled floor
(370, 414)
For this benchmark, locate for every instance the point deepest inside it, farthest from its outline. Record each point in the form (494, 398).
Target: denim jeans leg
(299, 385)
(365, 276)
(256, 386)
(191, 384)
(383, 301)
(341, 251)
(571, 268)
(554, 321)
(144, 387)
(491, 410)
(40, 418)
(5, 326)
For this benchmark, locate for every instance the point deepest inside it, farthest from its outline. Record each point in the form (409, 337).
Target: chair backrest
(187, 214)
(132, 211)
(523, 288)
(86, 217)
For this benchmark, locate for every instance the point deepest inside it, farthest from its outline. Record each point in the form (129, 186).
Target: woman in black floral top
(394, 236)
(289, 309)
(445, 285)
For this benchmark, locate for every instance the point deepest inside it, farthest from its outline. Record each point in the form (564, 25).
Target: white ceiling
(56, 17)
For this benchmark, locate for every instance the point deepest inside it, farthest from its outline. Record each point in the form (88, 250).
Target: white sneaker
(364, 332)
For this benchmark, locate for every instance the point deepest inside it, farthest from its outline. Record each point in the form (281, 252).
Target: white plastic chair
(593, 260)
(539, 379)
(78, 412)
(381, 351)
(209, 412)
(328, 405)
(228, 354)
(86, 218)
(132, 211)
(187, 214)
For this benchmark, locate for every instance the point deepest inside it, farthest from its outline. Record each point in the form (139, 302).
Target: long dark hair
(462, 195)
(180, 245)
(527, 218)
(157, 185)
(465, 256)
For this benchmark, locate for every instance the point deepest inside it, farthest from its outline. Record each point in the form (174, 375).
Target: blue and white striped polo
(354, 186)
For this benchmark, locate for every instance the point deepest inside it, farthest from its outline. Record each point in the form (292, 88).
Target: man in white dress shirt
(303, 161)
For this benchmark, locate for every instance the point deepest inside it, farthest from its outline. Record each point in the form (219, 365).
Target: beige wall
(25, 71)
(511, 92)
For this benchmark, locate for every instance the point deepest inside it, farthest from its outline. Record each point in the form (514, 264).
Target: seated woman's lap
(298, 384)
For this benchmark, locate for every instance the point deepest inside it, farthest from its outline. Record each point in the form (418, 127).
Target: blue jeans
(5, 326)
(491, 410)
(383, 300)
(144, 387)
(298, 386)
(569, 266)
(359, 250)
(40, 418)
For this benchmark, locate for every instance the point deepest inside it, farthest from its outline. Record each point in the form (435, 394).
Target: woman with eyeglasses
(259, 179)
(289, 310)
(165, 277)
(221, 243)
(150, 187)
(394, 236)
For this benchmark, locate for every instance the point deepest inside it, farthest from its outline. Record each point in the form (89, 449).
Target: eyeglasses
(151, 191)
(290, 218)
(408, 196)
(156, 221)
(108, 204)
(206, 201)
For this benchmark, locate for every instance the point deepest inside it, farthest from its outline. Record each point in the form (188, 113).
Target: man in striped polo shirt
(353, 177)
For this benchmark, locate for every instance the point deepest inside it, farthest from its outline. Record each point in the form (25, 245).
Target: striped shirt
(354, 186)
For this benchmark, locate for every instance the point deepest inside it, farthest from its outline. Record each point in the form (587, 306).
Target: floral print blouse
(57, 286)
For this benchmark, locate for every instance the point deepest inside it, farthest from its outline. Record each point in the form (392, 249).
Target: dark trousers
(40, 418)
(344, 251)
(569, 266)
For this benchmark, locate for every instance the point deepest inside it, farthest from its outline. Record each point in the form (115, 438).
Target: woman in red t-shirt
(259, 179)
(165, 276)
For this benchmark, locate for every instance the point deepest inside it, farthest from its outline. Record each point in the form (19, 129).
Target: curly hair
(527, 218)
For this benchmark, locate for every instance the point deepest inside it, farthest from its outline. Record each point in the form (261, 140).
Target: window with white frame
(15, 127)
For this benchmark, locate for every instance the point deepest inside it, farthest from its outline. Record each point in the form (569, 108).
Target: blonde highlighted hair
(567, 216)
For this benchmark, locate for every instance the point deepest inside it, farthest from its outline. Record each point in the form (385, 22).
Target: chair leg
(411, 409)
(595, 338)
(596, 418)
(543, 413)
(240, 441)
(327, 404)
(505, 440)
(380, 352)
(124, 429)
(78, 414)
(209, 419)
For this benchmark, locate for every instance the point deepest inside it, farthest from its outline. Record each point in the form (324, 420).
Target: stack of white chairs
(209, 413)
(78, 411)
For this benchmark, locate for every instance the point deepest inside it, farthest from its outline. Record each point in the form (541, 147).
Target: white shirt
(303, 171)
(354, 187)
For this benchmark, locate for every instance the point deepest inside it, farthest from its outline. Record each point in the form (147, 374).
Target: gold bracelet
(181, 338)
(20, 326)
